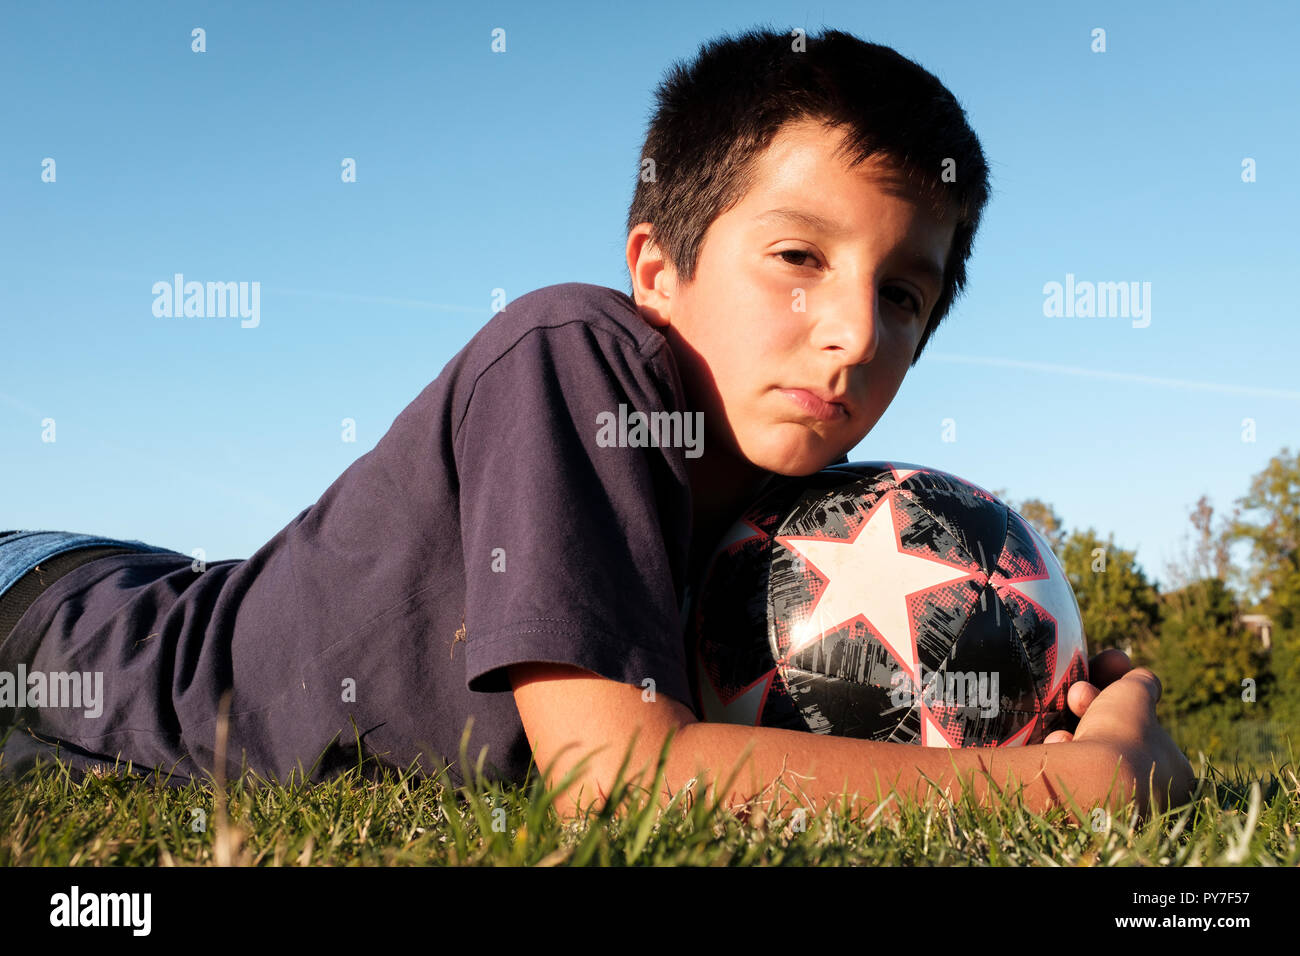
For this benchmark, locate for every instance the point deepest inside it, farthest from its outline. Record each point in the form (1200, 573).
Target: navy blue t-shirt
(489, 526)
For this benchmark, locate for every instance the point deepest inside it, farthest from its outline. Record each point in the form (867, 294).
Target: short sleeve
(575, 549)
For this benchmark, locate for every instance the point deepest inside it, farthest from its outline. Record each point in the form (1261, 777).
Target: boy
(497, 556)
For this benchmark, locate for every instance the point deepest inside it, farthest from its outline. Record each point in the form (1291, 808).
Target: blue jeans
(20, 551)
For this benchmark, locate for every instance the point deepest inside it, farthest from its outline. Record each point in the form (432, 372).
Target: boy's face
(780, 304)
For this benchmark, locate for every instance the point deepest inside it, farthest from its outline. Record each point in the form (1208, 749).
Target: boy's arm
(1116, 746)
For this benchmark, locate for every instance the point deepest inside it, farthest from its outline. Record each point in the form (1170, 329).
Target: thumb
(1147, 678)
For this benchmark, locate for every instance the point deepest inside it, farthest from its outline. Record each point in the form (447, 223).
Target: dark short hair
(718, 113)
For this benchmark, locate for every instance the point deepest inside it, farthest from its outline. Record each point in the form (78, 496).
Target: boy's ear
(653, 278)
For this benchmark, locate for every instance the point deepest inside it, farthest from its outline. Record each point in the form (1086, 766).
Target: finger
(1144, 675)
(1058, 737)
(1080, 697)
(1108, 666)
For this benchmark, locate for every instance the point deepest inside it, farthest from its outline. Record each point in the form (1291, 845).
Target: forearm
(821, 768)
(1126, 755)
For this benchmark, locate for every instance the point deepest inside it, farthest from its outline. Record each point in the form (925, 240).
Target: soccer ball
(891, 602)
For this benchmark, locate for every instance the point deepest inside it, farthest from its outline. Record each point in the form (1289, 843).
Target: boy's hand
(1104, 669)
(1121, 716)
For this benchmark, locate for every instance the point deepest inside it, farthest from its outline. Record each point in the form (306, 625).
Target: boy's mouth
(823, 408)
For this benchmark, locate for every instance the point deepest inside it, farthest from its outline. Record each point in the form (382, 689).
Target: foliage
(1273, 578)
(1203, 653)
(1120, 607)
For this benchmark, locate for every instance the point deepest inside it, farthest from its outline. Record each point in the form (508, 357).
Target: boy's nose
(849, 323)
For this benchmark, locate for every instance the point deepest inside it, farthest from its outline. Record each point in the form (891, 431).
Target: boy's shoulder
(575, 307)
(575, 346)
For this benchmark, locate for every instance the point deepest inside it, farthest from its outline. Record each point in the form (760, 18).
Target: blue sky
(478, 170)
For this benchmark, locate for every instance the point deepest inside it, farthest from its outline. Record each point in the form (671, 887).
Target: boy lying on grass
(800, 228)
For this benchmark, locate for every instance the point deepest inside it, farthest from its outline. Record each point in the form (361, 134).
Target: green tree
(1271, 524)
(1119, 606)
(1203, 652)
(1281, 694)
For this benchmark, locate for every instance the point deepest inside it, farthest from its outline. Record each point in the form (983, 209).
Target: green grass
(1241, 817)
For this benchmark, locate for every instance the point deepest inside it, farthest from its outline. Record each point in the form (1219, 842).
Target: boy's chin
(795, 463)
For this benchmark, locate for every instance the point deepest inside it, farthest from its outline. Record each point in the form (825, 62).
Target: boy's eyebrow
(921, 264)
(802, 217)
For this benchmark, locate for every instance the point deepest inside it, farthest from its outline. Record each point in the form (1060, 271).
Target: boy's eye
(910, 302)
(799, 253)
